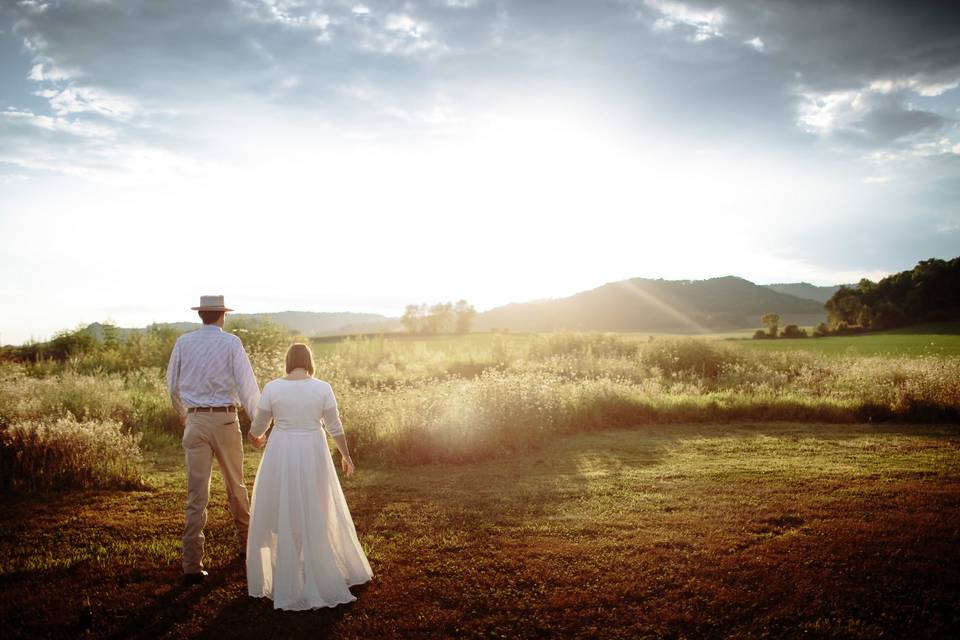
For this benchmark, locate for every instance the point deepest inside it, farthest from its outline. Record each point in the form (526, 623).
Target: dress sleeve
(263, 415)
(331, 415)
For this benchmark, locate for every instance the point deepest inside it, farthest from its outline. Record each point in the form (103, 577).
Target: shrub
(691, 357)
(65, 452)
(793, 331)
(582, 344)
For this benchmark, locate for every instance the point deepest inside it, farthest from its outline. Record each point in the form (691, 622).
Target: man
(208, 376)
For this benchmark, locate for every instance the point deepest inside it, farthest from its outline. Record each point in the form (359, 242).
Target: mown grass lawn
(665, 531)
(941, 339)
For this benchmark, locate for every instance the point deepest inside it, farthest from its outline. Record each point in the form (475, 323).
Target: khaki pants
(209, 435)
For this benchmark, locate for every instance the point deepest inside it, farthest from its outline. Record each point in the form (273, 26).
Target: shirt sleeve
(263, 416)
(246, 381)
(331, 416)
(173, 380)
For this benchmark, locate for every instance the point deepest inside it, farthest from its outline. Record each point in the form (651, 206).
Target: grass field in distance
(939, 339)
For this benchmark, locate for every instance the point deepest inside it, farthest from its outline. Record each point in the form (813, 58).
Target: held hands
(346, 463)
(257, 443)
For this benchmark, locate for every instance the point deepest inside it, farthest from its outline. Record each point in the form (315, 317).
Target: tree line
(443, 317)
(930, 292)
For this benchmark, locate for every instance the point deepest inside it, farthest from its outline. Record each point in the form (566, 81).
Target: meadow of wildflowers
(461, 399)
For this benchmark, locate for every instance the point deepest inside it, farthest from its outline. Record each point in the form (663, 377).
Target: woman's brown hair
(299, 356)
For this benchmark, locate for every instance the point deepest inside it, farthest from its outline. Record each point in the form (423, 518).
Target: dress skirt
(302, 547)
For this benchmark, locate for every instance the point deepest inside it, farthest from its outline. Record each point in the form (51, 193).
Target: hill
(641, 304)
(308, 323)
(311, 323)
(806, 290)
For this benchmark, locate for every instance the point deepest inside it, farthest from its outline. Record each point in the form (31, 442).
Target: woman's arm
(331, 422)
(260, 422)
(346, 462)
(259, 427)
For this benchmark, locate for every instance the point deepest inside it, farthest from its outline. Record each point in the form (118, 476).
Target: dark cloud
(836, 45)
(778, 75)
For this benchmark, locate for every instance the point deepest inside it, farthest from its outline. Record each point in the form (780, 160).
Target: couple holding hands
(301, 546)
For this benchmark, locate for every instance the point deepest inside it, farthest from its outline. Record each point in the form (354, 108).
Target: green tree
(771, 321)
(793, 331)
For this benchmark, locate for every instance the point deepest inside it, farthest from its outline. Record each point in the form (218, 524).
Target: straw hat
(211, 303)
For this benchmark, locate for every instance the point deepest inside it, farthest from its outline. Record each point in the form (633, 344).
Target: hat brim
(210, 309)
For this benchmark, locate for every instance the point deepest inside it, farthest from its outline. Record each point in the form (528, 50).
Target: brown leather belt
(212, 410)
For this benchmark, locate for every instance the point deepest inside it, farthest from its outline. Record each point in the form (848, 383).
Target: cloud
(865, 115)
(859, 74)
(703, 23)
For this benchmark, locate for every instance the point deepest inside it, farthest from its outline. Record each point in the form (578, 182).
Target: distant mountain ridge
(807, 290)
(642, 304)
(637, 304)
(309, 323)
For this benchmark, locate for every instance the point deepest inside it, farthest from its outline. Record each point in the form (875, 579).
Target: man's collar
(210, 327)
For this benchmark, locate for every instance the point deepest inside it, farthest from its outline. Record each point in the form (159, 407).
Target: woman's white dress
(302, 547)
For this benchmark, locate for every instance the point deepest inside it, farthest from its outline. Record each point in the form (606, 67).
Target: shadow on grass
(160, 615)
(246, 617)
(445, 540)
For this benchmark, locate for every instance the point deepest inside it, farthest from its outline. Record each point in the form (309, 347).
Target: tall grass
(475, 397)
(66, 452)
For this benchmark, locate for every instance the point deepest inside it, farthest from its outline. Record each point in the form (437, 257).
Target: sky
(322, 155)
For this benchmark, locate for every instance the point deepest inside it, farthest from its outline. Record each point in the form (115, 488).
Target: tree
(793, 331)
(886, 316)
(844, 306)
(464, 314)
(412, 319)
(771, 321)
(441, 317)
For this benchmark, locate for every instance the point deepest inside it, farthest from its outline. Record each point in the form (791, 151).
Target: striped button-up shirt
(209, 368)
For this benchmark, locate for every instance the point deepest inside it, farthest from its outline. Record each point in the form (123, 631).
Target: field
(707, 530)
(935, 339)
(564, 485)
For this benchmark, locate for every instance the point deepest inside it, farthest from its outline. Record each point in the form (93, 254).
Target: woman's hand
(258, 443)
(346, 462)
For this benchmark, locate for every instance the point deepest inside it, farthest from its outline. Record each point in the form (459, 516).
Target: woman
(302, 548)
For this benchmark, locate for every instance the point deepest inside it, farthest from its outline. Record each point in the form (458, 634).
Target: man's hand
(183, 420)
(258, 443)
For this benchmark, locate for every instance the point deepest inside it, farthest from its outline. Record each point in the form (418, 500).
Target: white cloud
(918, 85)
(14, 117)
(756, 43)
(706, 23)
(405, 24)
(35, 6)
(877, 179)
(826, 112)
(292, 14)
(398, 34)
(76, 99)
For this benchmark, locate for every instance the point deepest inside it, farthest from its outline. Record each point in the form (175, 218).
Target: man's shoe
(194, 578)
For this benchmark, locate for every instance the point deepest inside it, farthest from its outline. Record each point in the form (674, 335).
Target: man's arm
(247, 387)
(173, 382)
